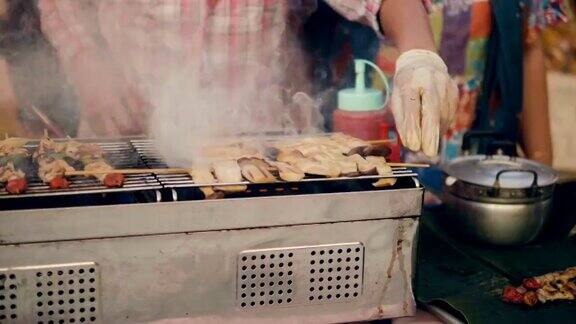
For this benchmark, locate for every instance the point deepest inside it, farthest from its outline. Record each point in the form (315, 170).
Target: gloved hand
(424, 100)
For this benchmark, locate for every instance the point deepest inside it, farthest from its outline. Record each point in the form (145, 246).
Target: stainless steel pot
(499, 200)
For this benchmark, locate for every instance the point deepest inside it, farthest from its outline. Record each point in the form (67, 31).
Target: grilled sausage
(59, 183)
(114, 180)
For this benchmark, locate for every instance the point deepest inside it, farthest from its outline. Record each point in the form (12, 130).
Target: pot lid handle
(501, 172)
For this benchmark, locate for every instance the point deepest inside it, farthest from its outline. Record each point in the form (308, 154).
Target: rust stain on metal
(398, 256)
(402, 268)
(397, 233)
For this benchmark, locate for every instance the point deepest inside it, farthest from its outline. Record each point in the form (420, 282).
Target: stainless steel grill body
(325, 257)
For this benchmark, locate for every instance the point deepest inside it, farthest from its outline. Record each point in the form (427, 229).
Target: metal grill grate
(141, 154)
(51, 294)
(152, 159)
(119, 153)
(300, 275)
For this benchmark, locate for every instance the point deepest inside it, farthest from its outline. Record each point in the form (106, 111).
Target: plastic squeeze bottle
(360, 109)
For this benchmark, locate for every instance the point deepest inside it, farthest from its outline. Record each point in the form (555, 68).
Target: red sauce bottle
(361, 110)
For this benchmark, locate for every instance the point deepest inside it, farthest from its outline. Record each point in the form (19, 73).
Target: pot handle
(500, 173)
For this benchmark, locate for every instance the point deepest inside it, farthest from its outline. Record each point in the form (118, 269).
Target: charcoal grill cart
(315, 251)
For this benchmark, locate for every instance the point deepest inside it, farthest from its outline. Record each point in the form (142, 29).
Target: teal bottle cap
(365, 100)
(361, 98)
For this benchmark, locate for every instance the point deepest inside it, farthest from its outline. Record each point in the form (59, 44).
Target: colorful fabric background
(461, 31)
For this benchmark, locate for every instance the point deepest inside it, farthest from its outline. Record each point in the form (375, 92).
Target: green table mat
(469, 278)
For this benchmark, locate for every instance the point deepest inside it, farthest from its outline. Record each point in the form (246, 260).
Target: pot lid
(511, 172)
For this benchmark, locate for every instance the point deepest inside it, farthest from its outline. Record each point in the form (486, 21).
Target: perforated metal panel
(300, 275)
(53, 294)
(335, 273)
(8, 297)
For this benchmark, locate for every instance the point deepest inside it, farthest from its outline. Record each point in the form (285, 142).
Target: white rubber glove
(424, 100)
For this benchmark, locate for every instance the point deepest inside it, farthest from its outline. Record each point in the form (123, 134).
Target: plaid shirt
(230, 40)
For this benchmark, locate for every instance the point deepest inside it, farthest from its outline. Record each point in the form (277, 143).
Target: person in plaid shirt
(115, 51)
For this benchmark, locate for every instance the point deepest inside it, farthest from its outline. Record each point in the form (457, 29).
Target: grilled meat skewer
(554, 286)
(13, 157)
(15, 179)
(52, 166)
(92, 158)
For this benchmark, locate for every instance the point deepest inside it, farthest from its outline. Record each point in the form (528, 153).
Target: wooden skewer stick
(383, 141)
(128, 171)
(184, 170)
(408, 165)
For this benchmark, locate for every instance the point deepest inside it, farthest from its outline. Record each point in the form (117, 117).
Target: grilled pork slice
(309, 149)
(229, 152)
(311, 166)
(364, 167)
(203, 174)
(353, 145)
(256, 170)
(228, 172)
(382, 169)
(347, 166)
(320, 168)
(288, 172)
(328, 144)
(289, 156)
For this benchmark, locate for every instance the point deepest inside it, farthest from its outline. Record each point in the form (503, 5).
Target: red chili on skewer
(17, 186)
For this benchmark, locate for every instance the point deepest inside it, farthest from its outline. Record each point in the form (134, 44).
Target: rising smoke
(198, 105)
(200, 87)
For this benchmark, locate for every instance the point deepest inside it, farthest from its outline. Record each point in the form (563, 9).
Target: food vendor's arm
(407, 24)
(535, 120)
(404, 21)
(64, 24)
(424, 96)
(110, 106)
